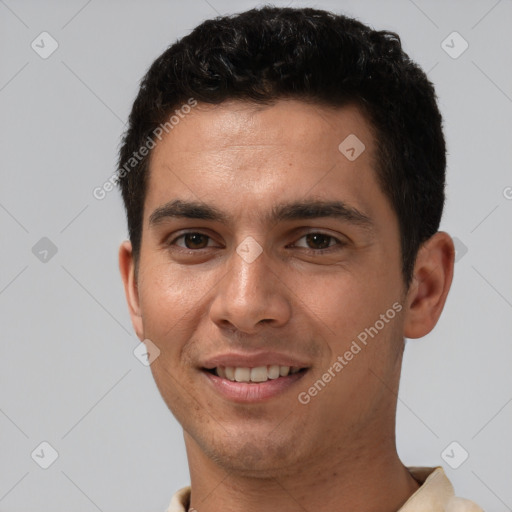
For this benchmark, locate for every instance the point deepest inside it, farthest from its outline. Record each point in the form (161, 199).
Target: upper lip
(253, 360)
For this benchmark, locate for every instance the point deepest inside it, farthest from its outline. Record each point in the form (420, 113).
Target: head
(291, 207)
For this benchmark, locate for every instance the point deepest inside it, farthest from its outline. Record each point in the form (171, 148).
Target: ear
(127, 268)
(433, 274)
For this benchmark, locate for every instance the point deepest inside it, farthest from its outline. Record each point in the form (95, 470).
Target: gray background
(68, 375)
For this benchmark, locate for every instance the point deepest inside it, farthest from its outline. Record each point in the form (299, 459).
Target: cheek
(347, 308)
(168, 285)
(340, 302)
(169, 300)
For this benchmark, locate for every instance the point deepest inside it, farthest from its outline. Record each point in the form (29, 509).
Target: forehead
(248, 157)
(289, 124)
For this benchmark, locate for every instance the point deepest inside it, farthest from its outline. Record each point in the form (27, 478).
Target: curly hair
(270, 53)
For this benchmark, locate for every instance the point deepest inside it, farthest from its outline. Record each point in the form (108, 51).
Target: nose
(250, 296)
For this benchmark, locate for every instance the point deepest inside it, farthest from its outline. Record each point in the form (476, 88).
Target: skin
(337, 452)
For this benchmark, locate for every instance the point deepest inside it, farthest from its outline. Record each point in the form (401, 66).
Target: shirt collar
(435, 494)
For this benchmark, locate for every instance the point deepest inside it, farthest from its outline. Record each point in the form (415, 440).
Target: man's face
(266, 284)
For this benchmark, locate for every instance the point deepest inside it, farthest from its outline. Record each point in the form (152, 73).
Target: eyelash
(339, 244)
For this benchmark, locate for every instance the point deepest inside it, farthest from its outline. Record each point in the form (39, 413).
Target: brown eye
(196, 241)
(319, 243)
(318, 240)
(192, 241)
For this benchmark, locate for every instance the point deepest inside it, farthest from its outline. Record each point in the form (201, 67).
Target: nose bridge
(248, 274)
(248, 277)
(249, 292)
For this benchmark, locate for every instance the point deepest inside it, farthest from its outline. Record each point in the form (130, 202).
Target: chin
(253, 458)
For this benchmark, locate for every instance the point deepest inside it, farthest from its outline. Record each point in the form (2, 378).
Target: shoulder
(456, 504)
(436, 493)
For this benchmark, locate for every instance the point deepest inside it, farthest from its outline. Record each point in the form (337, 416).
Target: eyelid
(175, 237)
(339, 242)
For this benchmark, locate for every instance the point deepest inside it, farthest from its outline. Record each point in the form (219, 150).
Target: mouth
(255, 375)
(253, 385)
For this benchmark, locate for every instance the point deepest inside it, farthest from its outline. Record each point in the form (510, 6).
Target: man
(283, 176)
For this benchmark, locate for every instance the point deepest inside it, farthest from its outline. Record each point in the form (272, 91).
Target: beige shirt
(436, 494)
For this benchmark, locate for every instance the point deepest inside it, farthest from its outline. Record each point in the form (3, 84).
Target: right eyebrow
(186, 209)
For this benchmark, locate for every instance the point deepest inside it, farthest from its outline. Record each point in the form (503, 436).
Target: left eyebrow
(301, 210)
(296, 210)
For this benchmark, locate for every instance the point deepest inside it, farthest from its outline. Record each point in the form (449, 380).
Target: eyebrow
(296, 210)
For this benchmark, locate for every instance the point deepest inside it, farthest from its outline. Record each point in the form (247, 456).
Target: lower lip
(253, 392)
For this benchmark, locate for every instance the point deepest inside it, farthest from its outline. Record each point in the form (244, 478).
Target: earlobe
(433, 274)
(127, 269)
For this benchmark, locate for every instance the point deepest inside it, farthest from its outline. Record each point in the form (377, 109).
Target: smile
(246, 385)
(255, 375)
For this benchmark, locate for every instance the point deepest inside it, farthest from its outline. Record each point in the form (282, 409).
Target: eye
(192, 240)
(318, 241)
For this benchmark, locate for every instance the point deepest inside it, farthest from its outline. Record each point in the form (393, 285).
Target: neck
(355, 476)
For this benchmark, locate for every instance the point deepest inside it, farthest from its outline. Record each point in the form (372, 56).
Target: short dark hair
(270, 53)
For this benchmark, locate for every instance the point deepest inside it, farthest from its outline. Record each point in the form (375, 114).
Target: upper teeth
(258, 374)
